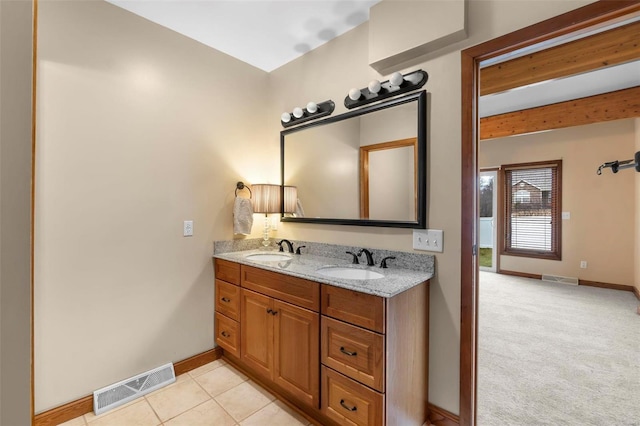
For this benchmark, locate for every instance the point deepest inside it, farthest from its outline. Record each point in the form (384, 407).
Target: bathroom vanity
(343, 351)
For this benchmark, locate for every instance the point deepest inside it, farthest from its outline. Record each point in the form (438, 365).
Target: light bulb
(312, 107)
(285, 117)
(354, 94)
(297, 112)
(374, 86)
(396, 79)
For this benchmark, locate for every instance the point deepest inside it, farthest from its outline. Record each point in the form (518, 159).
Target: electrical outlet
(428, 239)
(566, 215)
(187, 228)
(583, 264)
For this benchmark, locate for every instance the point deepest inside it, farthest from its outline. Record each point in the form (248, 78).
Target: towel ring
(241, 186)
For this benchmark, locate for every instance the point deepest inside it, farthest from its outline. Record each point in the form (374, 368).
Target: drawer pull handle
(346, 407)
(225, 334)
(224, 299)
(346, 352)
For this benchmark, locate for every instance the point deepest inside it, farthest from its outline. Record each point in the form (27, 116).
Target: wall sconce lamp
(311, 112)
(266, 199)
(376, 91)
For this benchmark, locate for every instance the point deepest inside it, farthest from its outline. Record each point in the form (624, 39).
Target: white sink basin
(349, 273)
(268, 257)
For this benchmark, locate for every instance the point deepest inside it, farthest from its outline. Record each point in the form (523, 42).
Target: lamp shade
(290, 198)
(266, 198)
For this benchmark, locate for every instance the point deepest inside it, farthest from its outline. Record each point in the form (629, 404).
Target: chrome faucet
(288, 243)
(369, 255)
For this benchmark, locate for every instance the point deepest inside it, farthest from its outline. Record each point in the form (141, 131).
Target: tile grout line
(152, 409)
(213, 398)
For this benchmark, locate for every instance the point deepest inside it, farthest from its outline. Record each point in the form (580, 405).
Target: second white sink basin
(345, 272)
(268, 257)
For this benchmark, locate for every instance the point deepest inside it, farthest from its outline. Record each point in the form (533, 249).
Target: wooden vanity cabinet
(342, 356)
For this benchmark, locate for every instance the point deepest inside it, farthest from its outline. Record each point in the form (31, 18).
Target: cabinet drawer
(228, 300)
(290, 289)
(228, 334)
(227, 271)
(354, 352)
(357, 308)
(350, 403)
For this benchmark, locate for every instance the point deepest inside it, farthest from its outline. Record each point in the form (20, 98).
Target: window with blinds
(532, 209)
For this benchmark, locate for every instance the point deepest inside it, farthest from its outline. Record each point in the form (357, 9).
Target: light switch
(428, 239)
(566, 215)
(187, 228)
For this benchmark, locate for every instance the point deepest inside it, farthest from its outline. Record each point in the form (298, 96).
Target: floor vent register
(129, 389)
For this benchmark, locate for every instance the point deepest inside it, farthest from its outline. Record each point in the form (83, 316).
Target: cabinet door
(256, 330)
(296, 352)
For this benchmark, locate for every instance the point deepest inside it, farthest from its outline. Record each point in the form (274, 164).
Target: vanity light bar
(311, 112)
(376, 91)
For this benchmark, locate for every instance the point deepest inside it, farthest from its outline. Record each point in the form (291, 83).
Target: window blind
(532, 208)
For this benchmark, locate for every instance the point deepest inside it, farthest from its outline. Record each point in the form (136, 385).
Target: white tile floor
(215, 394)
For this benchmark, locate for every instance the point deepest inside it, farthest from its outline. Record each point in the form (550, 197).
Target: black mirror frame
(421, 222)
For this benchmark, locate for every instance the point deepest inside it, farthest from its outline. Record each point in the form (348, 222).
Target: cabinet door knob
(346, 407)
(274, 312)
(225, 334)
(270, 311)
(346, 352)
(224, 299)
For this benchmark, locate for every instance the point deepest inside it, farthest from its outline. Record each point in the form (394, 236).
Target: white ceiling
(264, 33)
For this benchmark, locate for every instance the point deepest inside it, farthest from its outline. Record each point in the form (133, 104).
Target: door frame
(581, 18)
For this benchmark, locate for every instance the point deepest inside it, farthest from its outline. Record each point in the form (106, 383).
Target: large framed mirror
(364, 167)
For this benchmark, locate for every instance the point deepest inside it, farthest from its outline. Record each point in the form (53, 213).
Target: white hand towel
(242, 216)
(299, 210)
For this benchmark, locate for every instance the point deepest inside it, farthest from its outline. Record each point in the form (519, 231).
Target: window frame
(556, 212)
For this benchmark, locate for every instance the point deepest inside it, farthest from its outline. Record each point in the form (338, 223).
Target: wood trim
(520, 274)
(469, 215)
(441, 417)
(65, 412)
(33, 202)
(586, 16)
(84, 405)
(566, 23)
(197, 360)
(610, 286)
(599, 284)
(364, 170)
(600, 50)
(610, 106)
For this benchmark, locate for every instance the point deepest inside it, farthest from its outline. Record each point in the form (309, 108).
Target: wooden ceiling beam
(612, 47)
(610, 106)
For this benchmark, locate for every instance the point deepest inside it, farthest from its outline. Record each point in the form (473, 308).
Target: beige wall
(139, 129)
(329, 72)
(637, 216)
(602, 210)
(16, 43)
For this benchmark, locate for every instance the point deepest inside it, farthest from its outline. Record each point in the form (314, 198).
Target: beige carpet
(553, 354)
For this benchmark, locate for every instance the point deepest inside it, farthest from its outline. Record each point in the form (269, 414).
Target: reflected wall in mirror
(364, 167)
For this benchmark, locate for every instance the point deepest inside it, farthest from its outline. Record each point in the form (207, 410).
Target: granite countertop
(395, 280)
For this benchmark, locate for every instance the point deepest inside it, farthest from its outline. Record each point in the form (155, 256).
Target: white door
(487, 231)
